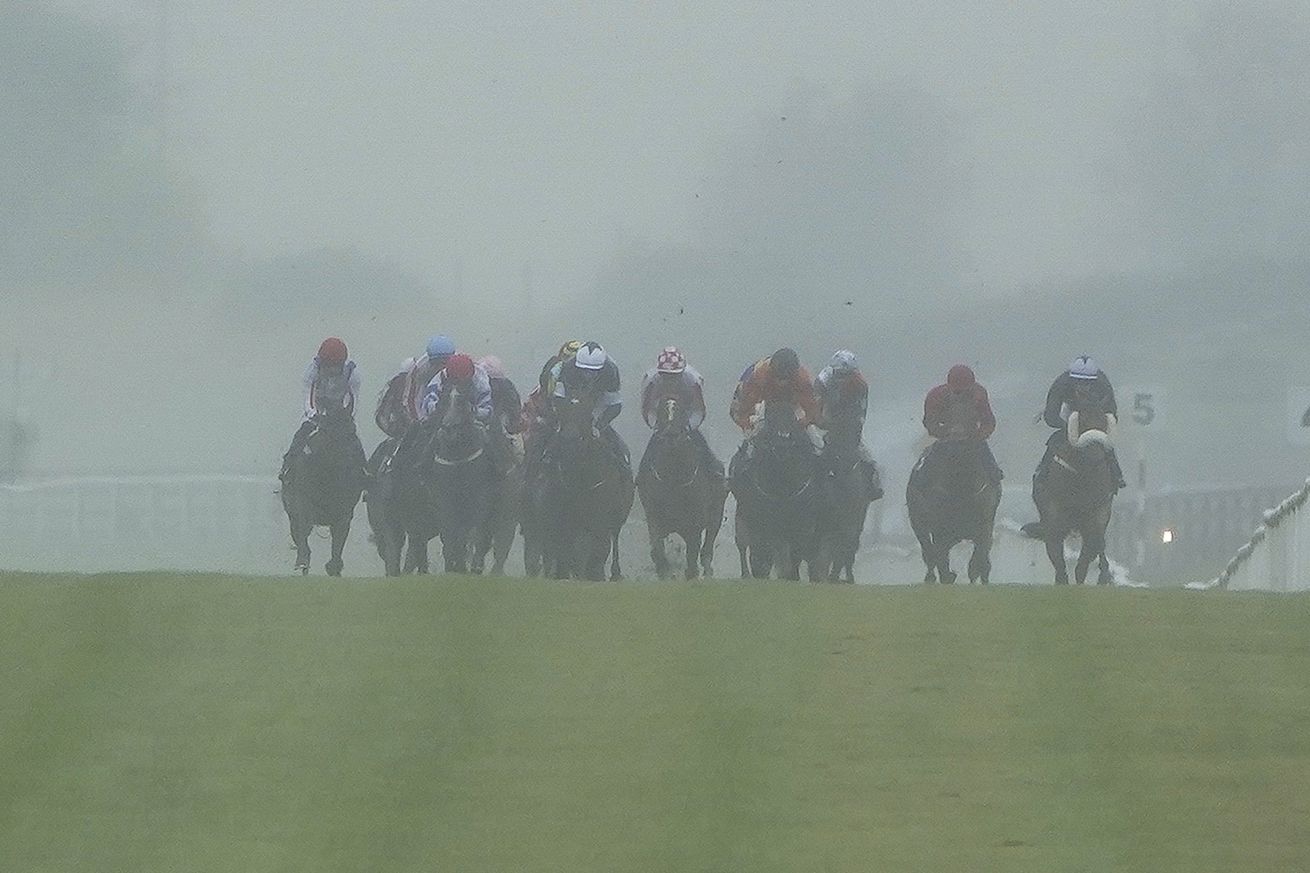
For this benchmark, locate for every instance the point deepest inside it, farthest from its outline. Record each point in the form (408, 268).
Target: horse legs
(1055, 552)
(693, 540)
(761, 560)
(929, 560)
(1106, 576)
(340, 532)
(391, 545)
(657, 552)
(980, 562)
(789, 565)
(502, 542)
(416, 555)
(1086, 555)
(300, 536)
(1094, 550)
(454, 552)
(707, 546)
(944, 571)
(707, 555)
(616, 572)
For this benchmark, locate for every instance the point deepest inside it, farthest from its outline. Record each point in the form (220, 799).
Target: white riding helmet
(1084, 368)
(591, 356)
(843, 361)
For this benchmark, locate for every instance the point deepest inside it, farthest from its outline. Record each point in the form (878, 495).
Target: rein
(460, 462)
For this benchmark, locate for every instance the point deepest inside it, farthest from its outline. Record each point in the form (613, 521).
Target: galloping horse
(591, 491)
(848, 491)
(496, 534)
(951, 498)
(679, 495)
(778, 490)
(461, 477)
(322, 487)
(1076, 495)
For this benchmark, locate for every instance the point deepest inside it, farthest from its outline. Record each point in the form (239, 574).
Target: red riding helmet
(459, 367)
(332, 351)
(961, 378)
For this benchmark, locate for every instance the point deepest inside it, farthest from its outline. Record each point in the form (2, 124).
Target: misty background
(195, 194)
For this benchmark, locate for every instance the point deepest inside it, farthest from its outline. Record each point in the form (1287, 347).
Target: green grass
(207, 723)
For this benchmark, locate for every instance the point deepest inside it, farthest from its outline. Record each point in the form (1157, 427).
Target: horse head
(577, 421)
(961, 471)
(459, 435)
(672, 421)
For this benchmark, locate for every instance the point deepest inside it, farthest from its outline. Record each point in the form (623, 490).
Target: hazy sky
(727, 176)
(474, 137)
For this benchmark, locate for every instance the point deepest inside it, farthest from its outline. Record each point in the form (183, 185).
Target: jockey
(961, 410)
(506, 405)
(779, 378)
(537, 407)
(331, 382)
(672, 378)
(399, 405)
(592, 369)
(1083, 386)
(459, 373)
(425, 369)
(843, 395)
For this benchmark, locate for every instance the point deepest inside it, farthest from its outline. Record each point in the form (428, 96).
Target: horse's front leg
(692, 538)
(658, 555)
(616, 571)
(340, 532)
(944, 571)
(1055, 552)
(300, 538)
(980, 562)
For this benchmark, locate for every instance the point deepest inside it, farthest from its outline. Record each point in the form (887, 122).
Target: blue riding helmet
(440, 346)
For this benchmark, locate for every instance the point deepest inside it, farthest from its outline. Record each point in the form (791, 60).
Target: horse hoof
(302, 569)
(1059, 581)
(929, 579)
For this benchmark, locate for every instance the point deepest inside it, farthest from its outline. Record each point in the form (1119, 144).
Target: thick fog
(194, 194)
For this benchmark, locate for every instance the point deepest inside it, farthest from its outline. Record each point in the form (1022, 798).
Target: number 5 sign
(1141, 405)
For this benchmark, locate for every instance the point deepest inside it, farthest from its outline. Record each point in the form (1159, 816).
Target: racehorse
(384, 507)
(590, 490)
(952, 497)
(848, 491)
(1076, 495)
(778, 486)
(323, 485)
(678, 494)
(461, 477)
(496, 533)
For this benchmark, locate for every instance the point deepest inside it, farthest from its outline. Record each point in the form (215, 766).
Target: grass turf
(215, 723)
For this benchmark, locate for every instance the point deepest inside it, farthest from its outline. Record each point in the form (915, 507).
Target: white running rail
(1277, 557)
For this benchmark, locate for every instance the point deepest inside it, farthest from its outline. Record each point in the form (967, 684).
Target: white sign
(1141, 406)
(1298, 416)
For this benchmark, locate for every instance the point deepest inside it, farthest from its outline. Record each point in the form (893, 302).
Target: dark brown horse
(777, 480)
(591, 491)
(951, 498)
(678, 493)
(322, 487)
(1076, 494)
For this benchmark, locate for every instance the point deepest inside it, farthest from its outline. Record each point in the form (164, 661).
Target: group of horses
(952, 497)
(569, 492)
